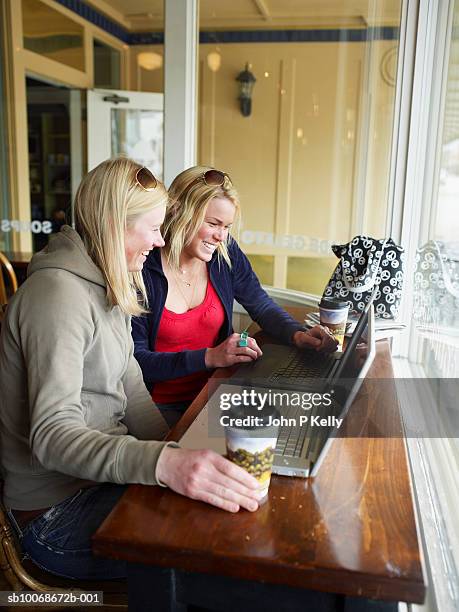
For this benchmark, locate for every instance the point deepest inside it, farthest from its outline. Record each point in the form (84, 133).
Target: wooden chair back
(6, 266)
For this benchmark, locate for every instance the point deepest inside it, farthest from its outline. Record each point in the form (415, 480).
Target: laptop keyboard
(298, 369)
(292, 439)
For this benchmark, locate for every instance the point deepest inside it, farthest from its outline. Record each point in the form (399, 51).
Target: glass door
(128, 123)
(56, 151)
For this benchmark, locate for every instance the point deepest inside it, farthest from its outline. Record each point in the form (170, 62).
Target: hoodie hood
(66, 251)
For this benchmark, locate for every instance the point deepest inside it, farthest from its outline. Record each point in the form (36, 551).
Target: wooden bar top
(350, 530)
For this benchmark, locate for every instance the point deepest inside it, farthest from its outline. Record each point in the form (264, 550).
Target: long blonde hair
(108, 201)
(189, 196)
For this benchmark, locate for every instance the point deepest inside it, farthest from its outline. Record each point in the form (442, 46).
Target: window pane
(4, 203)
(447, 219)
(309, 274)
(147, 72)
(139, 134)
(107, 66)
(52, 34)
(147, 51)
(49, 138)
(436, 309)
(263, 266)
(311, 159)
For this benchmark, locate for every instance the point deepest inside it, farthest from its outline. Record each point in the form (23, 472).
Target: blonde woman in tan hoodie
(76, 421)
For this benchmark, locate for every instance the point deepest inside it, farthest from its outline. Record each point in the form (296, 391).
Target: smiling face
(142, 236)
(214, 229)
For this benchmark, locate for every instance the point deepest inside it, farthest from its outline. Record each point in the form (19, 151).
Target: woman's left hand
(318, 338)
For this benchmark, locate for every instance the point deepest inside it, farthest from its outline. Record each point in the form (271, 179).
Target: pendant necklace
(188, 284)
(184, 281)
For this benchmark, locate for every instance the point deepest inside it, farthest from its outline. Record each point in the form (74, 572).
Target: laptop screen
(356, 361)
(350, 377)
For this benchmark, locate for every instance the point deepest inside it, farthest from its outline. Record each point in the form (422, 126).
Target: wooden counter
(351, 531)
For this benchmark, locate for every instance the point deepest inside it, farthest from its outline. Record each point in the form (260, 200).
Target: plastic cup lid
(333, 304)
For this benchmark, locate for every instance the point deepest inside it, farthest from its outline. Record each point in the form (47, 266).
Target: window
(50, 33)
(436, 308)
(107, 66)
(430, 235)
(4, 207)
(49, 111)
(311, 160)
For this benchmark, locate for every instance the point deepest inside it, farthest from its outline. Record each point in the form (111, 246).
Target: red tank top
(195, 329)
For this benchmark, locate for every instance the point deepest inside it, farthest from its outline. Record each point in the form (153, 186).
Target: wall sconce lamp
(246, 82)
(149, 60)
(214, 61)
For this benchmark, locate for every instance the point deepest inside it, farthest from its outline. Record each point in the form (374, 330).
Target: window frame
(4, 132)
(416, 164)
(415, 184)
(22, 63)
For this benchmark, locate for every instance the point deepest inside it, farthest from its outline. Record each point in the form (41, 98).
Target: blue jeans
(172, 413)
(59, 541)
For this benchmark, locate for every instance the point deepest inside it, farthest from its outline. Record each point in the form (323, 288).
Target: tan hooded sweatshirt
(73, 406)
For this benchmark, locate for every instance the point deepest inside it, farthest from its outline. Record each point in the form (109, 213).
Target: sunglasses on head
(215, 178)
(212, 178)
(145, 179)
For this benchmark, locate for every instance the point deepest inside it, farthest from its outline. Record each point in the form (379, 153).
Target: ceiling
(144, 15)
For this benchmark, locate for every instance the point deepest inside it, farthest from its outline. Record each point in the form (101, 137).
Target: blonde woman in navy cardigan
(191, 284)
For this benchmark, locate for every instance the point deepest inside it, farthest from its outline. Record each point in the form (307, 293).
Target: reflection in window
(436, 283)
(50, 33)
(107, 66)
(312, 160)
(147, 66)
(447, 221)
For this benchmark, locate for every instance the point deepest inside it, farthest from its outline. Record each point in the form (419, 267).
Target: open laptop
(288, 367)
(301, 448)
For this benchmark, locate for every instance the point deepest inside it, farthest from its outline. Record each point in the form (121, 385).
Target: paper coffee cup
(251, 441)
(333, 314)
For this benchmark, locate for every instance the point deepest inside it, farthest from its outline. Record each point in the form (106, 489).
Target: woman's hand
(206, 476)
(318, 337)
(229, 352)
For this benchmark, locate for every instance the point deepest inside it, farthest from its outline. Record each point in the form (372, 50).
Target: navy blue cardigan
(236, 283)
